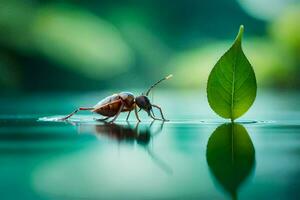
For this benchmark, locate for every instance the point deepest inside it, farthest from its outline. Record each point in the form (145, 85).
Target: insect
(113, 105)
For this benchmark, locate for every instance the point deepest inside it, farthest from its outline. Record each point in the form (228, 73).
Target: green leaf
(231, 87)
(230, 155)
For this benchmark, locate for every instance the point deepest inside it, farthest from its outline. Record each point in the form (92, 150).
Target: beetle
(113, 105)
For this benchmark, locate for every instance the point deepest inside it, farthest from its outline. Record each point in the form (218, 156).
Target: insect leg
(156, 132)
(73, 113)
(136, 129)
(153, 117)
(152, 112)
(103, 119)
(160, 110)
(136, 114)
(118, 113)
(128, 115)
(151, 124)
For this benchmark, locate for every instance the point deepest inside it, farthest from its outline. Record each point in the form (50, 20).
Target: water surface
(196, 155)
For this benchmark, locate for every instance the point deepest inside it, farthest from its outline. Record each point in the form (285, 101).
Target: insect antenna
(155, 84)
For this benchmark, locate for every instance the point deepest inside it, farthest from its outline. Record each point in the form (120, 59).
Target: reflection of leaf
(230, 155)
(231, 86)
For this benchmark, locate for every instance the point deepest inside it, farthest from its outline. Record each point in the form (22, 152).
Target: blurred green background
(78, 45)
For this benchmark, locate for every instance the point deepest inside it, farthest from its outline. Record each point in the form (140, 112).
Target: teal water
(196, 155)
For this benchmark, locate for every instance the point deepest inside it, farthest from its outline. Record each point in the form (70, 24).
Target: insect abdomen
(108, 106)
(109, 110)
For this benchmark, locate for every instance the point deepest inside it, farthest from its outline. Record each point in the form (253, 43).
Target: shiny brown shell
(110, 105)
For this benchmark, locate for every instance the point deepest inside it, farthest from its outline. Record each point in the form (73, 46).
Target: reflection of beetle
(124, 133)
(128, 134)
(113, 105)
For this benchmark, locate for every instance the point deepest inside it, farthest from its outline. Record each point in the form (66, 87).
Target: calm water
(196, 155)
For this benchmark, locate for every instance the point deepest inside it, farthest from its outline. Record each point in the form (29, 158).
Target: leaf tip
(169, 76)
(241, 28)
(240, 33)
